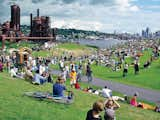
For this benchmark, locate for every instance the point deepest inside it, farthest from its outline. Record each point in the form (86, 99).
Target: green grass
(15, 106)
(41, 53)
(71, 46)
(63, 48)
(17, 45)
(147, 78)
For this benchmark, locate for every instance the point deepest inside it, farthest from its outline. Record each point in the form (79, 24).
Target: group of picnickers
(75, 71)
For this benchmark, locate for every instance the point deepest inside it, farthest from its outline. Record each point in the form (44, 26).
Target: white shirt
(33, 62)
(41, 69)
(67, 68)
(126, 66)
(106, 92)
(13, 72)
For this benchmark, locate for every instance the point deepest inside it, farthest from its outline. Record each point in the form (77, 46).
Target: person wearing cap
(58, 87)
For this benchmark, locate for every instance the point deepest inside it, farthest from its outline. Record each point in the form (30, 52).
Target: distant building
(143, 33)
(147, 33)
(15, 18)
(41, 26)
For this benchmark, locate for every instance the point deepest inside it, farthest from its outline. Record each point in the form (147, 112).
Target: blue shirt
(58, 90)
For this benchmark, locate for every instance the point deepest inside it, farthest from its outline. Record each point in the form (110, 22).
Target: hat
(136, 94)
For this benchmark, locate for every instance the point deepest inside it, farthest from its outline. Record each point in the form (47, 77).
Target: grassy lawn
(147, 78)
(65, 48)
(15, 106)
(17, 45)
(42, 53)
(71, 46)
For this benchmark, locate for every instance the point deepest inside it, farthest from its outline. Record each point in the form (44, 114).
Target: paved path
(144, 94)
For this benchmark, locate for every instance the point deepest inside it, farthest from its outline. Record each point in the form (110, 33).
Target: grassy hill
(66, 48)
(147, 78)
(15, 106)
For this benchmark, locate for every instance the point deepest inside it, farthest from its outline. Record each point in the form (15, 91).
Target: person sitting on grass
(14, 72)
(110, 107)
(28, 74)
(58, 87)
(142, 105)
(49, 79)
(77, 85)
(106, 92)
(38, 79)
(94, 113)
(133, 100)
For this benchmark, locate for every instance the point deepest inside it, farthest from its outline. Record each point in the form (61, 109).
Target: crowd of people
(37, 71)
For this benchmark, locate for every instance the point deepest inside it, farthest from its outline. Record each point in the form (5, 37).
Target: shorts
(72, 82)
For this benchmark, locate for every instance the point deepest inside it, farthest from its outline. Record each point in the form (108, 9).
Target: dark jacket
(91, 117)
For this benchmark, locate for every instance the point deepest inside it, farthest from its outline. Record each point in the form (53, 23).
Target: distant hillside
(74, 32)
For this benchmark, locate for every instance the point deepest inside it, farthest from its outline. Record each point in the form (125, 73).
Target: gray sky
(102, 15)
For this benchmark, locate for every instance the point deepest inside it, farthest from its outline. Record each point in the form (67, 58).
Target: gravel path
(144, 94)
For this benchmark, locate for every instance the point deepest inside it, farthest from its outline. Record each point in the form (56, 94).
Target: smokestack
(31, 24)
(38, 12)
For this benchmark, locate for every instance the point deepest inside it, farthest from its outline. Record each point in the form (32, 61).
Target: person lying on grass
(142, 105)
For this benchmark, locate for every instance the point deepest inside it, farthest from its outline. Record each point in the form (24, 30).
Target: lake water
(102, 43)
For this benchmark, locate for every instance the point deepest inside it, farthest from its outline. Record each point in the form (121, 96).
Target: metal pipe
(31, 25)
(38, 12)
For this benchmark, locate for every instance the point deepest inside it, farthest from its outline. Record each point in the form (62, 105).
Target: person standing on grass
(79, 74)
(73, 76)
(125, 69)
(136, 68)
(89, 73)
(94, 113)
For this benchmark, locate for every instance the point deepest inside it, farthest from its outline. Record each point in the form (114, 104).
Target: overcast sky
(102, 15)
